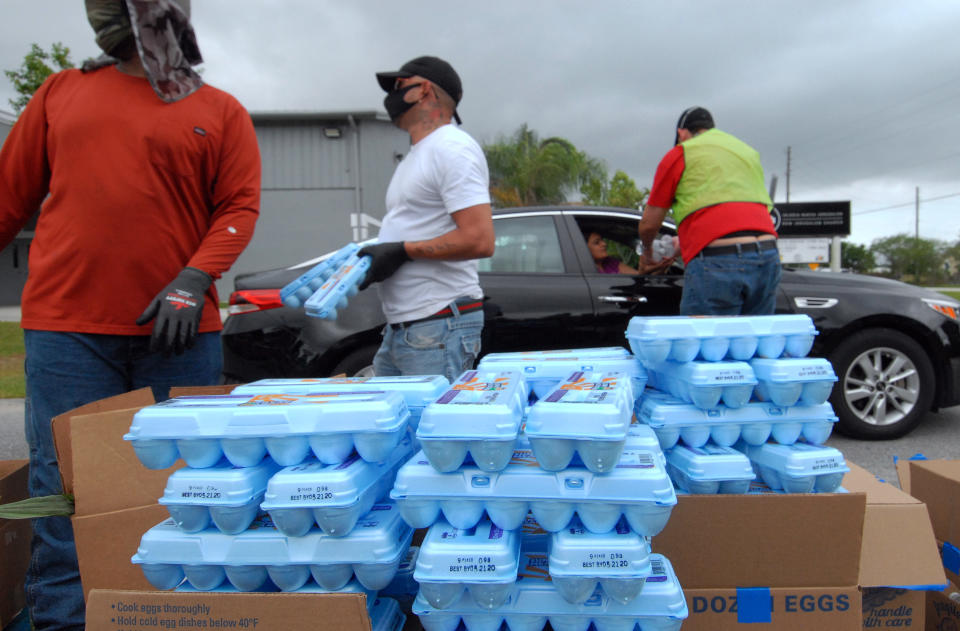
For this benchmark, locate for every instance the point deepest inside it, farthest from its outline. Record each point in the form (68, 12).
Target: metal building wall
(13, 258)
(320, 191)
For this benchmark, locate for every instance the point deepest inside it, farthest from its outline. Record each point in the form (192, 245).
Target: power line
(929, 199)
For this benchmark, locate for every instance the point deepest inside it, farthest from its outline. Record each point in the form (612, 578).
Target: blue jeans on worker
(743, 283)
(445, 346)
(65, 371)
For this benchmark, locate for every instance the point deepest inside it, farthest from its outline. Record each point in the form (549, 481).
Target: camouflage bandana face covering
(165, 41)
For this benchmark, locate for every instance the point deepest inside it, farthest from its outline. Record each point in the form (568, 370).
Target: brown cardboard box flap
(13, 481)
(186, 391)
(899, 549)
(107, 475)
(107, 542)
(109, 610)
(14, 541)
(61, 426)
(936, 483)
(719, 541)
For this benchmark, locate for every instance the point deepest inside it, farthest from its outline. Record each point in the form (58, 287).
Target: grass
(12, 383)
(953, 293)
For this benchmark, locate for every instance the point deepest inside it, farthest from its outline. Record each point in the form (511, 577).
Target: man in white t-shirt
(438, 223)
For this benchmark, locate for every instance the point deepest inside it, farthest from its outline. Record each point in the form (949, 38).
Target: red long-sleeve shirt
(132, 190)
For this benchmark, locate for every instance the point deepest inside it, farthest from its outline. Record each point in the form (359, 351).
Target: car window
(620, 235)
(525, 245)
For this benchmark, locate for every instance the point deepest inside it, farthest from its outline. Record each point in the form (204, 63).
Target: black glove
(386, 258)
(177, 309)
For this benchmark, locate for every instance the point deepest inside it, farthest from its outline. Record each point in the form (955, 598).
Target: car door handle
(622, 299)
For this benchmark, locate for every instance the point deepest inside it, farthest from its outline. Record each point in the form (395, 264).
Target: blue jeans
(731, 284)
(65, 371)
(447, 347)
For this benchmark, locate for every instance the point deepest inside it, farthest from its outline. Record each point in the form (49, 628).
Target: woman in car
(607, 264)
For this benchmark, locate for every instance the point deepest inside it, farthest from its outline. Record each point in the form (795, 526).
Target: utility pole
(788, 174)
(916, 237)
(916, 217)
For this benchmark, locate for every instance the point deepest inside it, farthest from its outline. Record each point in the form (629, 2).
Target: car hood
(853, 283)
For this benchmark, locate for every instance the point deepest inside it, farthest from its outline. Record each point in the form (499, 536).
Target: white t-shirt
(443, 173)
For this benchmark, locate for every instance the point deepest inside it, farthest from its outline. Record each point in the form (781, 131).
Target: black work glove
(386, 258)
(177, 309)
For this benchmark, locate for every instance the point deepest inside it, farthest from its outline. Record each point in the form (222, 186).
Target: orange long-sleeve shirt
(132, 190)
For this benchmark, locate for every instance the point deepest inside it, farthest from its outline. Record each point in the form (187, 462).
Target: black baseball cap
(431, 68)
(693, 118)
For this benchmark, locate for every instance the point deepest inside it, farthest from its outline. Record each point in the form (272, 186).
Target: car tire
(885, 384)
(357, 363)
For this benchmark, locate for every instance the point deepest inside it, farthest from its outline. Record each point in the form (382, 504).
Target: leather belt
(739, 248)
(446, 312)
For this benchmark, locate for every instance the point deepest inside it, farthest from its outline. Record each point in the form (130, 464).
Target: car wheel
(885, 384)
(358, 363)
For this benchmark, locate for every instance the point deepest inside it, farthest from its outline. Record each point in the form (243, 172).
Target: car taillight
(249, 300)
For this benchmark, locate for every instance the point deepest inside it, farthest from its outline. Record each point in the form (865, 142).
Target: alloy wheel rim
(881, 386)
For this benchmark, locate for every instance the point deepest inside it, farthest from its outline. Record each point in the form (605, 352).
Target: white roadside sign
(804, 250)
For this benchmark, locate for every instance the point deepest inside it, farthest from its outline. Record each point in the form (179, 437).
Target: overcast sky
(864, 92)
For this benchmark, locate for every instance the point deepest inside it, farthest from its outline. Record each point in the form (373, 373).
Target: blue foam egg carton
(673, 420)
(638, 488)
(225, 495)
(482, 560)
(298, 291)
(417, 390)
(331, 496)
(587, 413)
(372, 553)
(387, 615)
(334, 293)
(709, 469)
(545, 369)
(792, 381)
(714, 338)
(618, 560)
(705, 384)
(244, 428)
(480, 414)
(797, 468)
(661, 605)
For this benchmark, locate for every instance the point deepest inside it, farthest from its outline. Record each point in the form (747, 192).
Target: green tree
(528, 171)
(857, 258)
(621, 191)
(917, 260)
(34, 71)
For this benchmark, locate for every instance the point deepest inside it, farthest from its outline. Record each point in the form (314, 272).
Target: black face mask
(394, 103)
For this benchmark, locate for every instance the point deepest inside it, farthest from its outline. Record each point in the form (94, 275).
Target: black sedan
(895, 347)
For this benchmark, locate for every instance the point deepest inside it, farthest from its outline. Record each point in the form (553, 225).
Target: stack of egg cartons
(543, 370)
(279, 489)
(328, 285)
(721, 387)
(598, 490)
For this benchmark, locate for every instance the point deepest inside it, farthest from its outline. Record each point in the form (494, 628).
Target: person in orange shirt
(148, 182)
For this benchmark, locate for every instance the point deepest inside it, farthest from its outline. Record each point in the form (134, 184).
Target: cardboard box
(937, 484)
(116, 502)
(792, 561)
(14, 541)
(943, 609)
(899, 560)
(822, 561)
